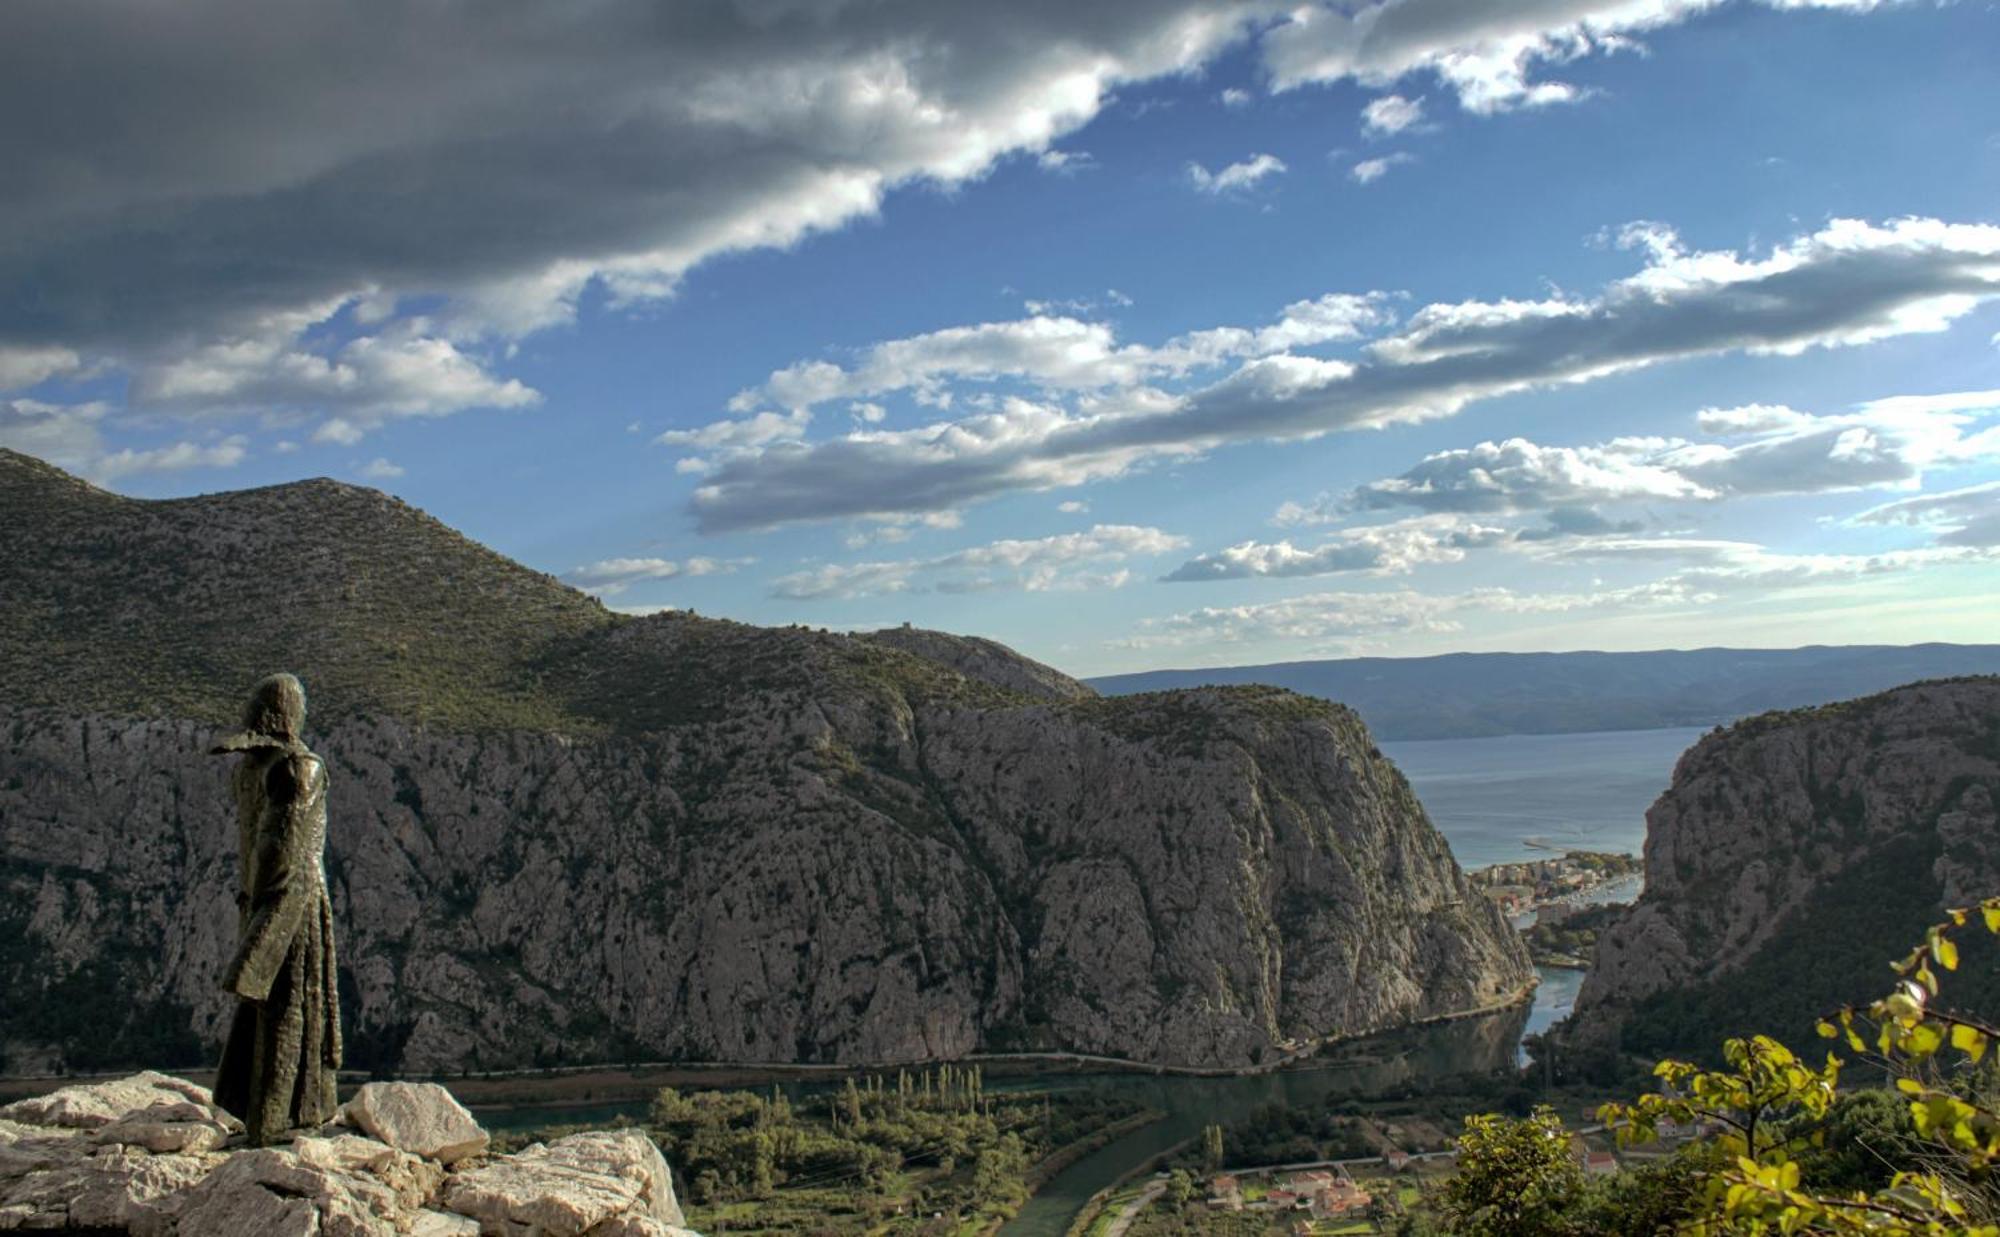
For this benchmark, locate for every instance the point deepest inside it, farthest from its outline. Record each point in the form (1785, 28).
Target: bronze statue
(278, 1070)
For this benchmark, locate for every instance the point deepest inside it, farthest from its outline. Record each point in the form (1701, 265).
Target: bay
(1513, 797)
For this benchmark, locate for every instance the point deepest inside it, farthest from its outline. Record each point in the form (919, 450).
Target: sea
(1514, 797)
(1527, 796)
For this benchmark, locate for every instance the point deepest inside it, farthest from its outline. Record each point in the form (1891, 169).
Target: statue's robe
(278, 1070)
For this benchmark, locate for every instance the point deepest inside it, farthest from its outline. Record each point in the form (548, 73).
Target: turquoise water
(1516, 797)
(1553, 999)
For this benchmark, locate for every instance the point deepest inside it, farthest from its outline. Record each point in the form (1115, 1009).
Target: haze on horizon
(1134, 334)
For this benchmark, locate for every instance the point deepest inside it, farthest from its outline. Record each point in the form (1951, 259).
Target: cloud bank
(1849, 283)
(1065, 561)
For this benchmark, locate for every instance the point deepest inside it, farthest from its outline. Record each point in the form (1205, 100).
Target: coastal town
(1560, 885)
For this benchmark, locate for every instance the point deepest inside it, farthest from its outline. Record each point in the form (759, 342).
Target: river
(1362, 1068)
(1496, 800)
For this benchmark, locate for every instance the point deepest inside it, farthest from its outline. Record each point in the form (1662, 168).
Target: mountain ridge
(562, 835)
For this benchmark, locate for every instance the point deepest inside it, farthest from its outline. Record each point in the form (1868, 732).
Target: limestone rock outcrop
(787, 845)
(62, 1168)
(1832, 832)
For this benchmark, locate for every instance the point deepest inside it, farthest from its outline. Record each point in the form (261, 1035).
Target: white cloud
(1065, 162)
(379, 469)
(895, 529)
(1040, 564)
(1714, 571)
(406, 371)
(1486, 52)
(744, 434)
(226, 453)
(1379, 549)
(1236, 176)
(612, 576)
(1072, 507)
(1764, 449)
(1963, 517)
(1848, 283)
(1053, 353)
(71, 436)
(340, 431)
(1515, 475)
(1318, 617)
(1234, 96)
(1751, 419)
(1368, 171)
(1391, 113)
(1746, 567)
(24, 366)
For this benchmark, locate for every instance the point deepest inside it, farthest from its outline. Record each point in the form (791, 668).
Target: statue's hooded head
(277, 707)
(275, 715)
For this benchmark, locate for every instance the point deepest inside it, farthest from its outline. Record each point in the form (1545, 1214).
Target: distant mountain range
(1467, 695)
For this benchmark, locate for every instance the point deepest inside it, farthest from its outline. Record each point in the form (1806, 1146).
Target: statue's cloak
(278, 1070)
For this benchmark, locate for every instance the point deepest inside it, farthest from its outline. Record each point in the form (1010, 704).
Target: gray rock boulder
(149, 1112)
(79, 1159)
(421, 1118)
(602, 1183)
(91, 1106)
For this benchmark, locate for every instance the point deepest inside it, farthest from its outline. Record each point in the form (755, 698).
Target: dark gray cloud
(180, 173)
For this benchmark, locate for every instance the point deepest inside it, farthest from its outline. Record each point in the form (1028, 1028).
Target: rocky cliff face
(732, 843)
(1794, 855)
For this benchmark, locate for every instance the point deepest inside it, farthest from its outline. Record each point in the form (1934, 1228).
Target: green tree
(1936, 1055)
(1211, 1147)
(1181, 1189)
(1515, 1178)
(999, 1172)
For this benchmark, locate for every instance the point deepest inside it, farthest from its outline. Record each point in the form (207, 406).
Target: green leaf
(1924, 1039)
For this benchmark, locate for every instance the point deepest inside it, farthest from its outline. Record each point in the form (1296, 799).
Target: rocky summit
(152, 1156)
(1793, 857)
(562, 835)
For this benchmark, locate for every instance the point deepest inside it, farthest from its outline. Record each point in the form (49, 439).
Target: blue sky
(1155, 333)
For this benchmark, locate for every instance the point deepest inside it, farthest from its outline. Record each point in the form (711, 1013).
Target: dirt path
(1123, 1220)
